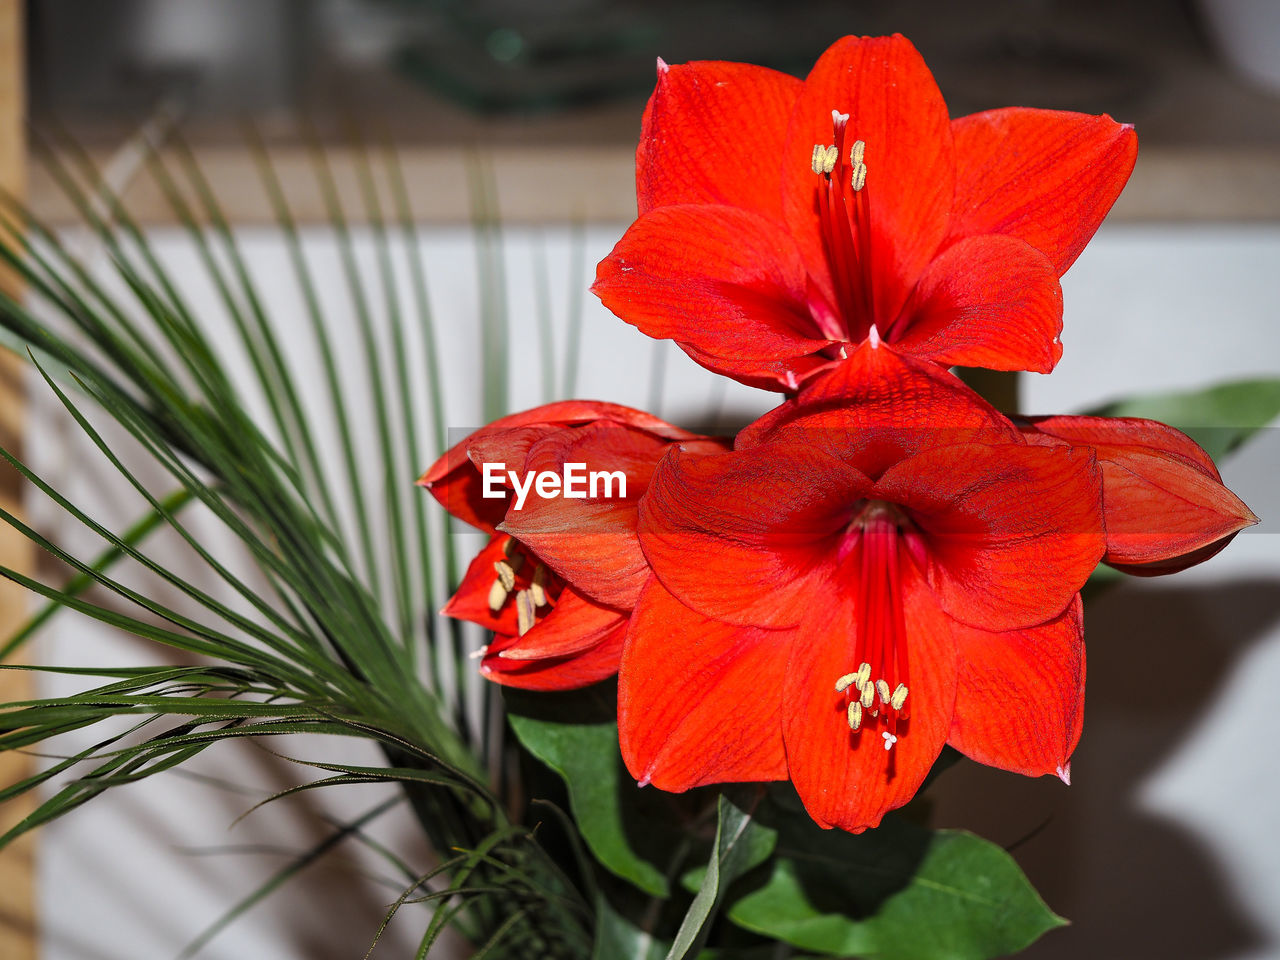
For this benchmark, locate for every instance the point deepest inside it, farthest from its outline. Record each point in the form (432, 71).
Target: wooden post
(17, 861)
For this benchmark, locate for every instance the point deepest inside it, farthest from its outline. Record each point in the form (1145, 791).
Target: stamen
(538, 588)
(524, 612)
(868, 696)
(824, 158)
(855, 715)
(844, 682)
(864, 675)
(497, 596)
(899, 697)
(858, 177)
(882, 688)
(506, 574)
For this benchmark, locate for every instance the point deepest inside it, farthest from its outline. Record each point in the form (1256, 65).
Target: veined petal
(988, 301)
(456, 483)
(564, 673)
(749, 537)
(591, 541)
(725, 280)
(699, 700)
(1020, 697)
(848, 779)
(1011, 532)
(575, 624)
(713, 132)
(894, 106)
(1163, 501)
(1045, 176)
(877, 407)
(1125, 432)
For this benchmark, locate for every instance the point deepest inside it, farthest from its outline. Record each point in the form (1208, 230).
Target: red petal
(748, 537)
(575, 624)
(566, 673)
(848, 779)
(713, 133)
(699, 701)
(1164, 504)
(1133, 432)
(725, 280)
(987, 301)
(895, 107)
(1020, 702)
(1046, 176)
(877, 407)
(591, 542)
(456, 483)
(1011, 532)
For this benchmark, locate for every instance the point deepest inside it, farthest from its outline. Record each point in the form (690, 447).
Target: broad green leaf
(899, 892)
(630, 830)
(741, 844)
(1219, 418)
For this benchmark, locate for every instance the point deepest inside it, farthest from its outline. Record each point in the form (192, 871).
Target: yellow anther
(882, 688)
(859, 177)
(856, 151)
(524, 612)
(538, 588)
(845, 682)
(868, 696)
(506, 575)
(824, 158)
(899, 697)
(855, 715)
(864, 675)
(497, 596)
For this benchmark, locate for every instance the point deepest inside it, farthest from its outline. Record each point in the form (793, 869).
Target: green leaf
(1219, 418)
(899, 892)
(741, 844)
(630, 830)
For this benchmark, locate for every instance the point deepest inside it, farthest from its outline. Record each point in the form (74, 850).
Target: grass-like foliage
(334, 631)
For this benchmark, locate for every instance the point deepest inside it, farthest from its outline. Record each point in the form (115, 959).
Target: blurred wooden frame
(18, 940)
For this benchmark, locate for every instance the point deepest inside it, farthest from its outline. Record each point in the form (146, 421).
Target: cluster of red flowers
(884, 563)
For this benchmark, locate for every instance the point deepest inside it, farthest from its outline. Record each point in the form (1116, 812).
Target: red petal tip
(643, 781)
(662, 68)
(1064, 773)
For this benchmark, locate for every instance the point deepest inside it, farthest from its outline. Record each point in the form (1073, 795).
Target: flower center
(532, 595)
(876, 692)
(844, 214)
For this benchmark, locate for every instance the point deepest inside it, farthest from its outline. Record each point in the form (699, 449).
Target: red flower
(560, 575)
(1163, 500)
(781, 220)
(873, 572)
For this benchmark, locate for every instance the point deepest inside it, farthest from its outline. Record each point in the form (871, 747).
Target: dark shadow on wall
(1134, 885)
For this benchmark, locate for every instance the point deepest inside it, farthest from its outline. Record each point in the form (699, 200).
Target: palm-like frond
(332, 630)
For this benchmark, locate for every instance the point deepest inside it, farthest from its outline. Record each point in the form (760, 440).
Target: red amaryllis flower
(781, 220)
(560, 574)
(1163, 500)
(873, 572)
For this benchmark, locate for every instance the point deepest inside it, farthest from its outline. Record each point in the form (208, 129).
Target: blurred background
(1167, 844)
